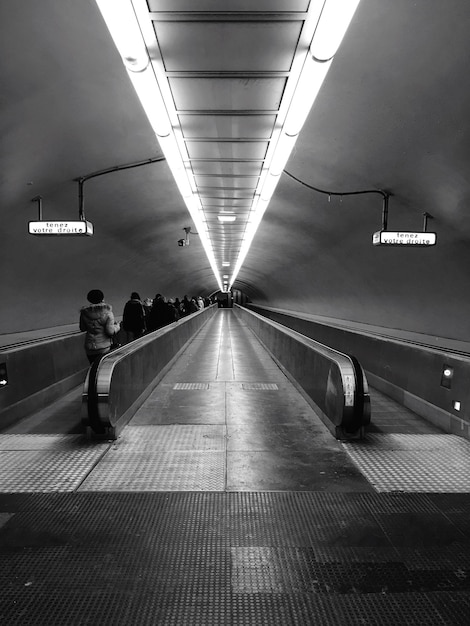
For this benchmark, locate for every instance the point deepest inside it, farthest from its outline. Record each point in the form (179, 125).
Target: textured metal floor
(227, 501)
(412, 462)
(234, 558)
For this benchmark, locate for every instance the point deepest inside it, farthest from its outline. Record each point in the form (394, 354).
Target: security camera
(181, 242)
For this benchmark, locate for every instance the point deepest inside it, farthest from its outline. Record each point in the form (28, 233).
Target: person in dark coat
(173, 311)
(158, 316)
(147, 308)
(97, 319)
(185, 306)
(133, 318)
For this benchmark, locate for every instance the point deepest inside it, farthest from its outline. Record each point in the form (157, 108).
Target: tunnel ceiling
(226, 93)
(391, 115)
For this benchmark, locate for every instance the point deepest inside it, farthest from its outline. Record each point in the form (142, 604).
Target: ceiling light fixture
(226, 218)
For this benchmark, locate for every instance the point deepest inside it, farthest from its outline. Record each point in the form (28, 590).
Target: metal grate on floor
(163, 458)
(163, 471)
(410, 462)
(42, 442)
(210, 559)
(46, 463)
(45, 471)
(260, 386)
(176, 437)
(191, 386)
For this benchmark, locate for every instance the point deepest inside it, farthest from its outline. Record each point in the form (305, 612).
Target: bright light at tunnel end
(131, 29)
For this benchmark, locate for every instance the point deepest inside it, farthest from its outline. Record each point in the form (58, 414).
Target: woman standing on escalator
(97, 319)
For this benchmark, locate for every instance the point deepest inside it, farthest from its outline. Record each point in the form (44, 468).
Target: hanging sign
(403, 238)
(46, 227)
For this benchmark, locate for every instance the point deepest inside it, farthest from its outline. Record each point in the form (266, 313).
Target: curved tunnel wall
(389, 116)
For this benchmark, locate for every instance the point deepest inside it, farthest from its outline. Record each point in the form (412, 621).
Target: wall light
(3, 375)
(447, 375)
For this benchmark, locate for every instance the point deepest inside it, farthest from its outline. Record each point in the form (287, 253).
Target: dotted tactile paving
(397, 502)
(367, 554)
(269, 569)
(454, 557)
(179, 558)
(409, 462)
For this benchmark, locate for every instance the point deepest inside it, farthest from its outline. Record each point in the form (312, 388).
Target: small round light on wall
(3, 375)
(447, 375)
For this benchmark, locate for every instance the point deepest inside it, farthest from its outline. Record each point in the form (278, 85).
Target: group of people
(139, 317)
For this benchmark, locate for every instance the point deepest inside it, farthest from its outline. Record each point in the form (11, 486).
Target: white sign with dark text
(45, 227)
(403, 238)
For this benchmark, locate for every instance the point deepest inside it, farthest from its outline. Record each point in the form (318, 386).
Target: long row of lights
(133, 35)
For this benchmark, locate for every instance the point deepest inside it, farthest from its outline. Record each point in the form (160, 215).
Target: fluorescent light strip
(332, 26)
(125, 30)
(195, 210)
(308, 86)
(252, 226)
(334, 20)
(122, 23)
